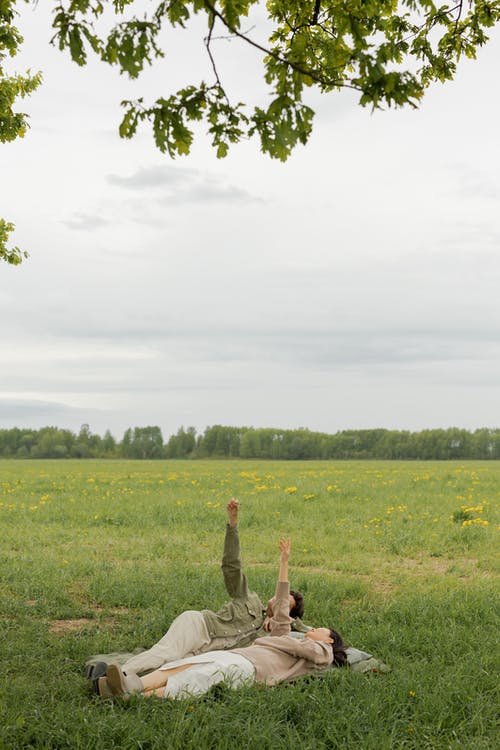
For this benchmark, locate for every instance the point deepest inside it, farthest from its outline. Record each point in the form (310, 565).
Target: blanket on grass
(359, 661)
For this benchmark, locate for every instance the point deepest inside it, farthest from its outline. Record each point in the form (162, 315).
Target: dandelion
(471, 521)
(309, 497)
(472, 508)
(290, 490)
(412, 694)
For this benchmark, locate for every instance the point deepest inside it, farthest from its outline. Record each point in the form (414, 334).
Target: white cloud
(86, 222)
(153, 177)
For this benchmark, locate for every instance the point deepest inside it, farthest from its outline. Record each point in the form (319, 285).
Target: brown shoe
(102, 688)
(122, 684)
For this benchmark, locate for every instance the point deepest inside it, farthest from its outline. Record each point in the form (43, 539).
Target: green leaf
(222, 150)
(12, 255)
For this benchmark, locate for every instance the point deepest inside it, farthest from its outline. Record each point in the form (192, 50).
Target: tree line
(219, 441)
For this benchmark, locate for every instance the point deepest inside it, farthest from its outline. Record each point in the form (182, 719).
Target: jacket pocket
(252, 611)
(226, 614)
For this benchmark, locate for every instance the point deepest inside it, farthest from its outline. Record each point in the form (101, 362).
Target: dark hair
(298, 609)
(338, 648)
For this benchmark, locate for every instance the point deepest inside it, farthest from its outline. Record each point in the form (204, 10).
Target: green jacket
(240, 620)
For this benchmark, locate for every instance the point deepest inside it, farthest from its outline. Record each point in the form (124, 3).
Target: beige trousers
(187, 636)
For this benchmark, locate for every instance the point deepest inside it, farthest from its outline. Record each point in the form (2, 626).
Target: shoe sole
(115, 681)
(102, 688)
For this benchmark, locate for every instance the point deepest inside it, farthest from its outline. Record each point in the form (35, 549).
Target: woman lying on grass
(268, 660)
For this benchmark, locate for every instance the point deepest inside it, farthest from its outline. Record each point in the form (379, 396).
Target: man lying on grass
(269, 660)
(238, 623)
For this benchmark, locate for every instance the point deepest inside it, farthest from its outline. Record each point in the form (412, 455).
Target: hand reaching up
(285, 546)
(232, 511)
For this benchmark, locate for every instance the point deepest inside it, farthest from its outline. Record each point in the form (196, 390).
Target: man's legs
(187, 636)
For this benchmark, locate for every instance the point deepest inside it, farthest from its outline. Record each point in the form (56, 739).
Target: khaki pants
(187, 636)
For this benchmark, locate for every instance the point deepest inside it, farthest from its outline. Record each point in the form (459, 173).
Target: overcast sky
(355, 286)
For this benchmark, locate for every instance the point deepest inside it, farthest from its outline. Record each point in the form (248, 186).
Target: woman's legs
(187, 679)
(159, 677)
(120, 684)
(224, 666)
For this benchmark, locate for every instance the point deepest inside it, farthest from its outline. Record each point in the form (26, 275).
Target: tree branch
(459, 14)
(275, 55)
(207, 41)
(316, 11)
(446, 12)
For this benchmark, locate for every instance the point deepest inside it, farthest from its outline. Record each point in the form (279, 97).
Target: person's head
(298, 609)
(329, 635)
(296, 605)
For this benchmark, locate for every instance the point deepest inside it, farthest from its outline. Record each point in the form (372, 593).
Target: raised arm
(279, 623)
(285, 547)
(232, 509)
(234, 578)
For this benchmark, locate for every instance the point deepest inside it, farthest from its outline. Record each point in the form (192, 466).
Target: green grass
(400, 557)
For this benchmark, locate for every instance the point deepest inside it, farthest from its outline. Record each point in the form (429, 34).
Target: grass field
(399, 557)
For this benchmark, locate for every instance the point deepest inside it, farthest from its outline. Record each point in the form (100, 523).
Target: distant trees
(181, 445)
(88, 445)
(52, 442)
(218, 441)
(142, 442)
